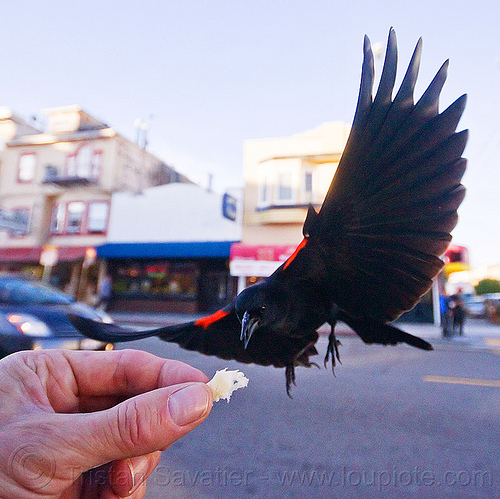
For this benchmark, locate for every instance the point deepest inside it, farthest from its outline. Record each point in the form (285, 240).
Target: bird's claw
(333, 350)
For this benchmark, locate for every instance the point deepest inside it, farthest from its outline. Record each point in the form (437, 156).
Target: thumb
(143, 424)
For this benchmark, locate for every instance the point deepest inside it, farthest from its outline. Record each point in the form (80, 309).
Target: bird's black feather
(370, 252)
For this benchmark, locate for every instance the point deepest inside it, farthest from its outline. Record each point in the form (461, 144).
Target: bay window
(284, 187)
(80, 217)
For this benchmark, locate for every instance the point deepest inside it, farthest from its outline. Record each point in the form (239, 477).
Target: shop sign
(258, 261)
(229, 207)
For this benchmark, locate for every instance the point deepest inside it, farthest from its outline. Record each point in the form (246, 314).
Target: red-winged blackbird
(371, 251)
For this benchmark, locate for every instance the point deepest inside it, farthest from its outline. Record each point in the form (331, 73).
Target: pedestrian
(92, 424)
(104, 293)
(446, 316)
(458, 312)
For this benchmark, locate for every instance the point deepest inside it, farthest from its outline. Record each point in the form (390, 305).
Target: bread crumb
(225, 382)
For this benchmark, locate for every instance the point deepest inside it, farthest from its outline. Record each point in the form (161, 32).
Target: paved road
(395, 422)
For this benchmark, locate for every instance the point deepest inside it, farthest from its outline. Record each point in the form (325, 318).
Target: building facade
(59, 183)
(168, 249)
(283, 176)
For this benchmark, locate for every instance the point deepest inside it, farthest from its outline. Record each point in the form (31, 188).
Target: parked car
(492, 307)
(33, 316)
(474, 305)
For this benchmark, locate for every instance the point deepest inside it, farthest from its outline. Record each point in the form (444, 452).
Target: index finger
(127, 372)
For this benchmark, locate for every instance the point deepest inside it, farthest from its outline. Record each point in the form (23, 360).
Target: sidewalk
(476, 331)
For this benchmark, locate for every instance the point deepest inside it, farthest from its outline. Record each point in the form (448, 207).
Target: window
(308, 187)
(58, 217)
(264, 192)
(18, 291)
(84, 163)
(71, 165)
(27, 167)
(285, 187)
(20, 216)
(158, 279)
(308, 181)
(79, 217)
(74, 218)
(95, 168)
(98, 216)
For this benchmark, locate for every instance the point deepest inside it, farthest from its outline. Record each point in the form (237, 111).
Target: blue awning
(216, 249)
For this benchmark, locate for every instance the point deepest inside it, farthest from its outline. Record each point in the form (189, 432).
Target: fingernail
(188, 404)
(132, 476)
(138, 467)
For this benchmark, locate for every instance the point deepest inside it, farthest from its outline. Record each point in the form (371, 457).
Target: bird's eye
(263, 308)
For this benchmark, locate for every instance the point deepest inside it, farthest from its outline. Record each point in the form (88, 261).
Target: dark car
(33, 316)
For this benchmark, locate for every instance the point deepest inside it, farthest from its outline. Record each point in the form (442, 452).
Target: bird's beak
(248, 325)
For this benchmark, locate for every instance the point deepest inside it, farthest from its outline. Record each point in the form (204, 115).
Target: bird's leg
(290, 378)
(301, 359)
(333, 343)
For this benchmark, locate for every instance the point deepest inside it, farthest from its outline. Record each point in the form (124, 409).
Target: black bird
(371, 251)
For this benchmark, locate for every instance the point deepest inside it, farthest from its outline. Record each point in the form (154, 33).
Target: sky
(207, 75)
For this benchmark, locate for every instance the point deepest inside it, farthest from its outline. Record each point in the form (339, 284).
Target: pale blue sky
(211, 74)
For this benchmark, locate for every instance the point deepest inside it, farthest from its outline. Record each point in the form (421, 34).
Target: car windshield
(14, 290)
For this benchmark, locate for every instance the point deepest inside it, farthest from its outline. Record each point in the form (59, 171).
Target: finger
(127, 475)
(93, 483)
(127, 372)
(140, 425)
(138, 494)
(117, 480)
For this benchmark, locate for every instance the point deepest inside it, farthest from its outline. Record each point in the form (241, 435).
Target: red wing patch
(291, 258)
(204, 322)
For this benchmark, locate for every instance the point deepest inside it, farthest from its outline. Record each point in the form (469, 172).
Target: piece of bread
(225, 382)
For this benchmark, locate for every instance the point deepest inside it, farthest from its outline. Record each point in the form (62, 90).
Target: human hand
(64, 413)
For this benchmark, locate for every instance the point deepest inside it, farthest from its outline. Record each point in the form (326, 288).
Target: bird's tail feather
(108, 332)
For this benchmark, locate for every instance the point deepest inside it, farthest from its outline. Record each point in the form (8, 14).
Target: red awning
(70, 253)
(28, 255)
(32, 255)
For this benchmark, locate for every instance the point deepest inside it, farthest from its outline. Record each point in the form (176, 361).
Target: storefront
(19, 259)
(249, 264)
(175, 277)
(67, 270)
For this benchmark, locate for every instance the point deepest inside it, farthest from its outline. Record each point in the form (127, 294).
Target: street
(395, 422)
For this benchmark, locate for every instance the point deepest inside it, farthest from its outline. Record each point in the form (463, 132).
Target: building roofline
(314, 158)
(52, 138)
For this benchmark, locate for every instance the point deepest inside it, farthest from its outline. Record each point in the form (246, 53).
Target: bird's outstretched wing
(388, 213)
(376, 242)
(218, 334)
